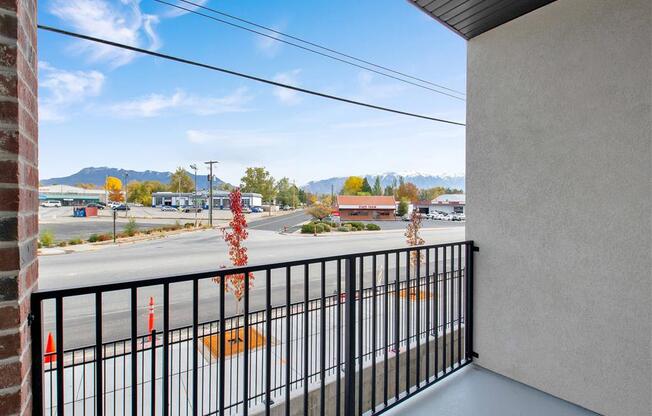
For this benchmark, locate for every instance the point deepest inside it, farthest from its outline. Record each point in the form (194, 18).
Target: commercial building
(220, 199)
(366, 208)
(449, 203)
(70, 195)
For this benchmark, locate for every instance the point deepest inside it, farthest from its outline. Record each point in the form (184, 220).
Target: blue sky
(104, 107)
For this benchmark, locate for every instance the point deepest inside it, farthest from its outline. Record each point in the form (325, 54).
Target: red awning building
(366, 208)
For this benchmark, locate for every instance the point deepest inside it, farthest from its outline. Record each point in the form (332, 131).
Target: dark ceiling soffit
(493, 20)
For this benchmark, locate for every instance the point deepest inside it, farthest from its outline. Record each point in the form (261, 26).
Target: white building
(449, 203)
(71, 195)
(220, 199)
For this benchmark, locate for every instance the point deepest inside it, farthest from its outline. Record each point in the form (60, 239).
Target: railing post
(36, 324)
(468, 318)
(349, 337)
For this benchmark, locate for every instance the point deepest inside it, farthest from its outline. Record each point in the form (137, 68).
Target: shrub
(319, 228)
(344, 229)
(356, 226)
(47, 238)
(372, 227)
(93, 238)
(189, 225)
(327, 228)
(131, 228)
(62, 243)
(308, 228)
(104, 237)
(75, 241)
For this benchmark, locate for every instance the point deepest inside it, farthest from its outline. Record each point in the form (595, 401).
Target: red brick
(8, 229)
(8, 5)
(10, 317)
(10, 345)
(9, 112)
(27, 227)
(8, 26)
(8, 171)
(11, 403)
(9, 199)
(28, 276)
(8, 56)
(8, 85)
(9, 140)
(9, 260)
(10, 374)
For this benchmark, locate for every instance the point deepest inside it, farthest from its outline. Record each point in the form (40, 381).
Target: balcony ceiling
(470, 18)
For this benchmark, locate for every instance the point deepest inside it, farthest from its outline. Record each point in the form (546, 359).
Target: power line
(241, 75)
(313, 50)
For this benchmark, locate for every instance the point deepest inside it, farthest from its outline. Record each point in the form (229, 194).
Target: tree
(181, 181)
(378, 188)
(259, 180)
(86, 185)
(225, 187)
(366, 188)
(141, 192)
(413, 238)
(287, 193)
(352, 185)
(402, 208)
(409, 191)
(319, 211)
(113, 186)
(389, 190)
(327, 200)
(235, 283)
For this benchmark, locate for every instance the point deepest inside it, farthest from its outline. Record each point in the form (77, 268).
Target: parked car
(113, 204)
(461, 217)
(95, 205)
(256, 209)
(246, 210)
(168, 208)
(191, 209)
(51, 204)
(286, 208)
(405, 218)
(121, 207)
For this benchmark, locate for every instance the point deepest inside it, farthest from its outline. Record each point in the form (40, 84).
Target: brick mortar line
(9, 304)
(27, 84)
(8, 70)
(8, 126)
(9, 273)
(10, 360)
(22, 106)
(7, 12)
(9, 185)
(19, 214)
(28, 291)
(9, 99)
(8, 41)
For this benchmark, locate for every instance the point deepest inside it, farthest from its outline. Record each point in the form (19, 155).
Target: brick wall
(18, 199)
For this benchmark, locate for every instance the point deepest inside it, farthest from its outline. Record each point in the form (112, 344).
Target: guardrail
(338, 335)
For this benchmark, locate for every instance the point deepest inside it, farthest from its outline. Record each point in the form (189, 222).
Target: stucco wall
(559, 128)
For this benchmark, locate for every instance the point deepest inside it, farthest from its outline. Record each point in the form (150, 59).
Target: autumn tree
(113, 186)
(402, 209)
(141, 192)
(408, 191)
(319, 211)
(258, 180)
(378, 188)
(181, 181)
(413, 238)
(352, 185)
(235, 236)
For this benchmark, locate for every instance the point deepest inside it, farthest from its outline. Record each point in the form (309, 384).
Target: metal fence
(343, 334)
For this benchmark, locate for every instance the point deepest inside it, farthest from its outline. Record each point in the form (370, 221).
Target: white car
(51, 204)
(168, 208)
(461, 217)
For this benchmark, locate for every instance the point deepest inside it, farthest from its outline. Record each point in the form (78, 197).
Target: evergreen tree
(378, 189)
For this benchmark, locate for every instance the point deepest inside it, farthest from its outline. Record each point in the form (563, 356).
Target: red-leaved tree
(235, 283)
(412, 236)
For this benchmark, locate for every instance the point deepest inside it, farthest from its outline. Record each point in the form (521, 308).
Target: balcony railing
(342, 334)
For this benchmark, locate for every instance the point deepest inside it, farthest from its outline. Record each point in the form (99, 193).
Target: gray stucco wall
(559, 130)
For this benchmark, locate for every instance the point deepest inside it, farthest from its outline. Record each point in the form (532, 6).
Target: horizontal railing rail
(342, 334)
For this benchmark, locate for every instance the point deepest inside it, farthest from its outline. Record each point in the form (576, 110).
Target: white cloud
(154, 105)
(119, 21)
(284, 95)
(60, 88)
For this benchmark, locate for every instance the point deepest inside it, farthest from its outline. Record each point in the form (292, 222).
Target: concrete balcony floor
(474, 391)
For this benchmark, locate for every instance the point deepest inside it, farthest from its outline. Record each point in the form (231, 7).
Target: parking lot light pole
(210, 164)
(126, 203)
(194, 167)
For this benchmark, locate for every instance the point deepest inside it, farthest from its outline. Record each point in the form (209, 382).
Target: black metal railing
(344, 334)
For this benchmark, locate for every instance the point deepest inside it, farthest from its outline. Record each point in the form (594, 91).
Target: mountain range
(97, 176)
(421, 180)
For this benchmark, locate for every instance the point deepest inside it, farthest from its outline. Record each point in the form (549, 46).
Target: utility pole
(210, 164)
(194, 167)
(126, 203)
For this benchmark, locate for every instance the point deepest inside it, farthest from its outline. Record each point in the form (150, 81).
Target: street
(195, 252)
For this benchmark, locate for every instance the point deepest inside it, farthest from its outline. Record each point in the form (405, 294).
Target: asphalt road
(194, 252)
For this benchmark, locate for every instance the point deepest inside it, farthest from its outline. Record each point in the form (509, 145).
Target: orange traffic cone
(150, 323)
(49, 349)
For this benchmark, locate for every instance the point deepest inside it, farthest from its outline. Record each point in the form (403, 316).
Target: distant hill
(98, 175)
(421, 180)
